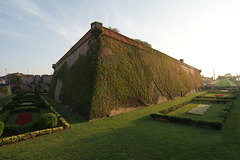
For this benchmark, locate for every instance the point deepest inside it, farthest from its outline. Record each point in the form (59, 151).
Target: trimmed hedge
(29, 135)
(174, 107)
(189, 121)
(48, 120)
(1, 127)
(16, 129)
(210, 100)
(40, 104)
(161, 115)
(9, 106)
(13, 129)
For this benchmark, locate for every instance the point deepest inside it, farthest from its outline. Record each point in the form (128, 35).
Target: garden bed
(201, 111)
(22, 116)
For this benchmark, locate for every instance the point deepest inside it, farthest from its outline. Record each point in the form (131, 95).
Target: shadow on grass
(70, 117)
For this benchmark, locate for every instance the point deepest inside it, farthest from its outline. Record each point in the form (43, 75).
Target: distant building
(209, 83)
(2, 81)
(29, 82)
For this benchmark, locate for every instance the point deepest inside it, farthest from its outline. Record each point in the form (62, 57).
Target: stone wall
(106, 73)
(9, 92)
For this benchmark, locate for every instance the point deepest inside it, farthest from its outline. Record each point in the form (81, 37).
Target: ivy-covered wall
(130, 77)
(114, 74)
(78, 81)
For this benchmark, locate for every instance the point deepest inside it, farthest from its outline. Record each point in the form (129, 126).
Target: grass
(133, 135)
(184, 109)
(69, 116)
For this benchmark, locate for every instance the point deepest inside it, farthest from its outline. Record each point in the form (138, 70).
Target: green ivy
(114, 74)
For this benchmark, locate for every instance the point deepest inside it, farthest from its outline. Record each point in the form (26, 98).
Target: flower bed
(199, 109)
(213, 119)
(219, 95)
(27, 103)
(24, 118)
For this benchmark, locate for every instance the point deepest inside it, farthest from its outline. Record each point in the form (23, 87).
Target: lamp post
(6, 70)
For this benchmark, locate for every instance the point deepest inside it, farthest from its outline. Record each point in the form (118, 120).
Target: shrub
(4, 116)
(48, 120)
(1, 128)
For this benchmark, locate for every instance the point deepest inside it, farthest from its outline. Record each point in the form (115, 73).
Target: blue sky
(34, 34)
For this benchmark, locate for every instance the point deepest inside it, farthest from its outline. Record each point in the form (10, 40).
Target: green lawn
(132, 135)
(183, 109)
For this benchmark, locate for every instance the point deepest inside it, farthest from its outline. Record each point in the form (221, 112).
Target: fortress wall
(106, 73)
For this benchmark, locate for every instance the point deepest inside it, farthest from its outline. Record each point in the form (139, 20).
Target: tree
(143, 42)
(15, 79)
(113, 29)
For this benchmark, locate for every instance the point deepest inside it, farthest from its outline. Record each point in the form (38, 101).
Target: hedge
(13, 129)
(1, 127)
(210, 100)
(200, 123)
(9, 106)
(33, 134)
(175, 107)
(29, 135)
(5, 115)
(161, 115)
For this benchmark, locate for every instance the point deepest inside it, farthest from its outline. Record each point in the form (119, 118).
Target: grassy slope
(133, 135)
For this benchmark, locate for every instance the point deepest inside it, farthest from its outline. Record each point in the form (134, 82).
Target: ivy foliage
(130, 77)
(78, 81)
(114, 74)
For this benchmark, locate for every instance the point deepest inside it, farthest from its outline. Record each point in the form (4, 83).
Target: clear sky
(34, 34)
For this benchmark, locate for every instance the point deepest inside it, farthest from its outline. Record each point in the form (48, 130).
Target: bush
(4, 116)
(1, 128)
(48, 120)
